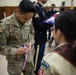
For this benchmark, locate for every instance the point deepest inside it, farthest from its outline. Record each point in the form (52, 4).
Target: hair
(66, 23)
(26, 6)
(53, 5)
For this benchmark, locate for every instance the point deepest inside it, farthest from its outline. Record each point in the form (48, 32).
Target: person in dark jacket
(50, 13)
(40, 33)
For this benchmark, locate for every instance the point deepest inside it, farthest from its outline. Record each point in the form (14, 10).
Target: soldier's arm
(5, 49)
(48, 66)
(37, 20)
(45, 69)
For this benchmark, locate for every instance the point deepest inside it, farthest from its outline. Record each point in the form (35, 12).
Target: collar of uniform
(61, 44)
(16, 22)
(53, 10)
(41, 4)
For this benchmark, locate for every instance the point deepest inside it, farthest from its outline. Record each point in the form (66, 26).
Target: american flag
(50, 21)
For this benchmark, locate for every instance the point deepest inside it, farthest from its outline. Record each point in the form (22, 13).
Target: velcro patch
(44, 65)
(40, 72)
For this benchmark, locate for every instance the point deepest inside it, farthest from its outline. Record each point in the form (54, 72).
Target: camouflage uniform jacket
(12, 35)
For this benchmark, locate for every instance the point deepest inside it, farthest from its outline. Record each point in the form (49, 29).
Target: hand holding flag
(26, 56)
(50, 21)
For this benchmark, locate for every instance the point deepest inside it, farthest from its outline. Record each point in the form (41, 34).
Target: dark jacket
(39, 27)
(51, 13)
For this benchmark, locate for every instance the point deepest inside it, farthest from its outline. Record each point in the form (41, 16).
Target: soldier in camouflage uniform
(14, 33)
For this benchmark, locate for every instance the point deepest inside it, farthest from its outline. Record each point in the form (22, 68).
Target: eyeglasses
(52, 29)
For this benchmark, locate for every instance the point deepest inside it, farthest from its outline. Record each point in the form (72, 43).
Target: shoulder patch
(44, 65)
(36, 15)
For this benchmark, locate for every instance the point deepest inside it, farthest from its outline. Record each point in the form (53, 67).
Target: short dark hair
(53, 5)
(66, 23)
(26, 6)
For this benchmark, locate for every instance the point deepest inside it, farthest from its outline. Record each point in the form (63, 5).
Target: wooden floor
(3, 61)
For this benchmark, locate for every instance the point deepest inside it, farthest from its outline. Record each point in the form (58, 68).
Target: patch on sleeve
(40, 72)
(36, 15)
(44, 65)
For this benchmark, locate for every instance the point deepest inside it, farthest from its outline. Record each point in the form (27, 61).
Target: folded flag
(50, 21)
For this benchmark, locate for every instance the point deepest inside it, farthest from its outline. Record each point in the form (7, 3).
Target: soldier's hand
(22, 50)
(29, 45)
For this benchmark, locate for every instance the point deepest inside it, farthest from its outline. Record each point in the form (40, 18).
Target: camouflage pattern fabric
(12, 35)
